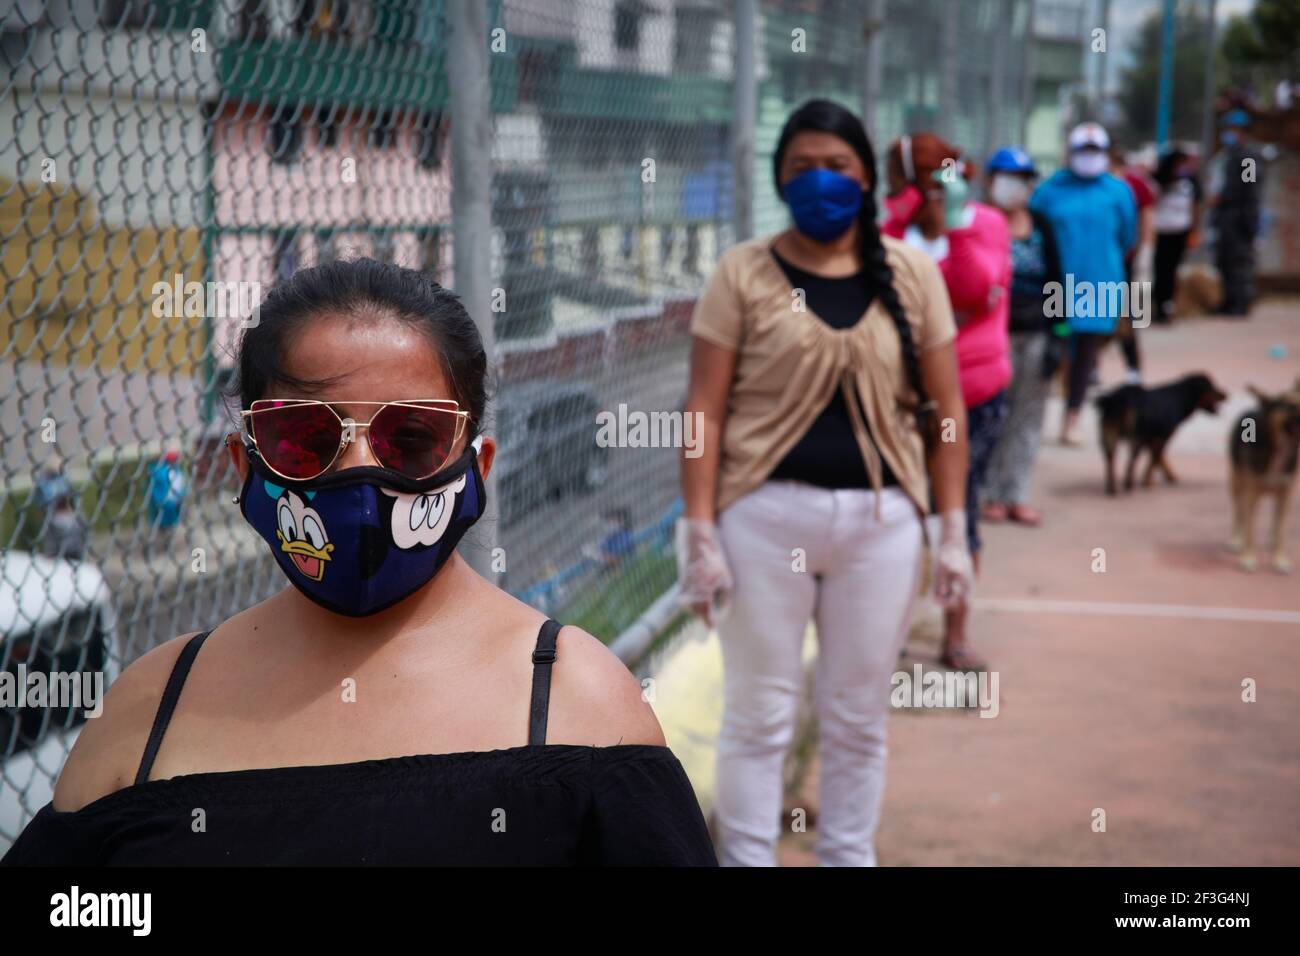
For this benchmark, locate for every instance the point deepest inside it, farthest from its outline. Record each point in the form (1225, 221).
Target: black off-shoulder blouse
(538, 804)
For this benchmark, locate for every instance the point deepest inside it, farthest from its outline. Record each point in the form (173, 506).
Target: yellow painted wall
(78, 292)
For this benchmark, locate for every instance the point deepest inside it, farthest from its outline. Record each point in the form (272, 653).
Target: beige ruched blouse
(789, 362)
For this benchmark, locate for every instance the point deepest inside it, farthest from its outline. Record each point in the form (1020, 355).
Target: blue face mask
(360, 540)
(1228, 138)
(823, 203)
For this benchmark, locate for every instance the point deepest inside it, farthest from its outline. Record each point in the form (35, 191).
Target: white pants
(860, 578)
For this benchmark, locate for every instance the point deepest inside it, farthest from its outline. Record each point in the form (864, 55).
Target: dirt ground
(1119, 691)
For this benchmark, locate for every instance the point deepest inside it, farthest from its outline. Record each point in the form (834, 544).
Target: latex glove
(954, 577)
(1144, 263)
(956, 191)
(703, 576)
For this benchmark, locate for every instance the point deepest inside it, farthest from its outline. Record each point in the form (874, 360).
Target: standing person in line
(1138, 260)
(1235, 194)
(1093, 219)
(363, 393)
(930, 210)
(821, 366)
(1178, 221)
(1037, 342)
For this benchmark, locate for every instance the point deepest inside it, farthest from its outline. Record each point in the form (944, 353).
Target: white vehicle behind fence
(55, 615)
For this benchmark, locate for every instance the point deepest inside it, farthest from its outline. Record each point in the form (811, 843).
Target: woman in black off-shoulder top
(375, 712)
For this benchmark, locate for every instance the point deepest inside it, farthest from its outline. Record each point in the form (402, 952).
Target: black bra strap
(171, 694)
(543, 658)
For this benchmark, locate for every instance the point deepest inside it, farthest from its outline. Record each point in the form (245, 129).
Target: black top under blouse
(538, 804)
(828, 455)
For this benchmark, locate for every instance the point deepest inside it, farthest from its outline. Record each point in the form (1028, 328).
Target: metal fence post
(1027, 78)
(744, 117)
(1207, 109)
(1166, 102)
(949, 29)
(873, 29)
(1100, 77)
(997, 78)
(471, 212)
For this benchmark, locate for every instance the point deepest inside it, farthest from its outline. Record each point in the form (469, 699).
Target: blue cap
(1011, 159)
(1237, 118)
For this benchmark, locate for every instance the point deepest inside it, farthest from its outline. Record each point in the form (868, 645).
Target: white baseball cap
(1088, 134)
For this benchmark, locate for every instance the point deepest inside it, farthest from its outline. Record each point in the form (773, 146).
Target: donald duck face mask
(359, 540)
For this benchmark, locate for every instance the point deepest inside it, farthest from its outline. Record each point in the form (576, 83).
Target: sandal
(960, 657)
(994, 512)
(1023, 514)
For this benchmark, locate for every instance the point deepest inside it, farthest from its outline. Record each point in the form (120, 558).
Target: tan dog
(1263, 451)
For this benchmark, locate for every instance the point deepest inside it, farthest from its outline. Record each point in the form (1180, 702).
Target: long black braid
(878, 271)
(826, 116)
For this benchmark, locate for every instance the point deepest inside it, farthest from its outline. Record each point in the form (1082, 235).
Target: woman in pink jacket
(972, 246)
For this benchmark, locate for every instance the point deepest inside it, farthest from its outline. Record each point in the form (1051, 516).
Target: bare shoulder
(107, 752)
(595, 699)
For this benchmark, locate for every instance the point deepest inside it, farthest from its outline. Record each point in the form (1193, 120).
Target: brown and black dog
(1262, 451)
(1147, 418)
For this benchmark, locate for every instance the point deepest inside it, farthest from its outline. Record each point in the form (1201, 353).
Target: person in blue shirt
(1093, 219)
(167, 490)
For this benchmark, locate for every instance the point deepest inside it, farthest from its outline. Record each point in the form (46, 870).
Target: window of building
(627, 25)
(537, 69)
(327, 126)
(383, 129)
(131, 14)
(324, 19)
(284, 135)
(253, 20)
(693, 39)
(286, 253)
(428, 140)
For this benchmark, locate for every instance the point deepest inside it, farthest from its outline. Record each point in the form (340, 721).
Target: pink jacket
(977, 271)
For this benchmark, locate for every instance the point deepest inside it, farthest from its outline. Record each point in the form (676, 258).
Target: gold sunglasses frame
(348, 426)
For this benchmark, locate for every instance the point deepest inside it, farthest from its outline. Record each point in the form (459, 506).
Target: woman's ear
(487, 454)
(238, 455)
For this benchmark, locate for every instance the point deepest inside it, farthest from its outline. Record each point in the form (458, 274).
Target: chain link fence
(163, 161)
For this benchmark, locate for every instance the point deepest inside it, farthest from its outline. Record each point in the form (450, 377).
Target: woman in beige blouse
(824, 371)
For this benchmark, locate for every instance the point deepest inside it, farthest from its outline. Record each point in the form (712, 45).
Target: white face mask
(1009, 192)
(1089, 164)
